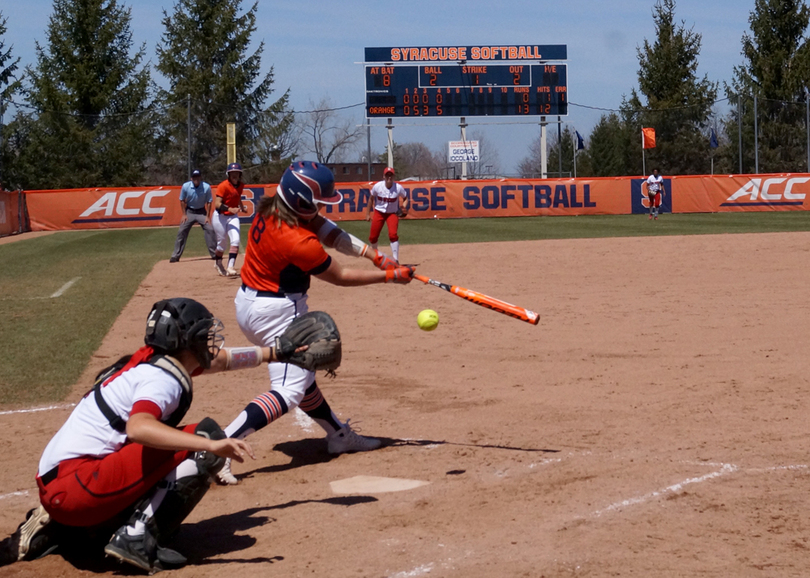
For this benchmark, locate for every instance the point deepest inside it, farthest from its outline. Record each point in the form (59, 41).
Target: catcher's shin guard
(184, 493)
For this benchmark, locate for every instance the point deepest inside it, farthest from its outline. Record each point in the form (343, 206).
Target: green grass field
(47, 341)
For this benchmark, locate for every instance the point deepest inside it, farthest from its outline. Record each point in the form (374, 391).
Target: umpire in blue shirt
(195, 201)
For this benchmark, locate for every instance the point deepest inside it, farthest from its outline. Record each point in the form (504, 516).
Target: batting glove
(384, 262)
(399, 275)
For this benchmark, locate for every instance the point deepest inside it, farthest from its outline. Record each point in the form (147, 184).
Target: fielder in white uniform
(384, 209)
(655, 192)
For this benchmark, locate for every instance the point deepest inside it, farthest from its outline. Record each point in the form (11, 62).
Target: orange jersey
(282, 259)
(231, 196)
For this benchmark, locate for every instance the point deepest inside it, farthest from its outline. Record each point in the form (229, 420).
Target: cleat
(173, 260)
(346, 440)
(224, 476)
(35, 542)
(231, 272)
(220, 269)
(142, 551)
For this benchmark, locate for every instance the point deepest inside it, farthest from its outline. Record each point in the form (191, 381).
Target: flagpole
(574, 138)
(643, 155)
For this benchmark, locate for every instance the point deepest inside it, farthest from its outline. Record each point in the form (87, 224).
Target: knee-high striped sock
(316, 407)
(263, 410)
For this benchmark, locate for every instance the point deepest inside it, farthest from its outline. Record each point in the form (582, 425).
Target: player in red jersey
(283, 252)
(228, 203)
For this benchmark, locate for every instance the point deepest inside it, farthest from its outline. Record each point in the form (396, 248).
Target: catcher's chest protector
(168, 364)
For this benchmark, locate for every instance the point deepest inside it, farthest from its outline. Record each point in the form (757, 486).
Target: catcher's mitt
(318, 331)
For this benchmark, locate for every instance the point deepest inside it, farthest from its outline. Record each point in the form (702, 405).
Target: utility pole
(188, 130)
(559, 144)
(739, 128)
(368, 145)
(806, 122)
(756, 138)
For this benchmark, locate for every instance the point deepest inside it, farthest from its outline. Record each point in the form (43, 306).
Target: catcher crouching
(122, 465)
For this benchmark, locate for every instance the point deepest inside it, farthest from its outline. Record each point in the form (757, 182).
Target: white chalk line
(14, 494)
(36, 409)
(58, 293)
(64, 288)
(421, 570)
(724, 470)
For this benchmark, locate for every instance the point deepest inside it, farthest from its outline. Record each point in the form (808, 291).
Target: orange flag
(648, 138)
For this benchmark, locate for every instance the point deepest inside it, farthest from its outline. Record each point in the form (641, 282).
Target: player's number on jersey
(258, 228)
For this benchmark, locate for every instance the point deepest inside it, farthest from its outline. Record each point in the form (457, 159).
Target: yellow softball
(427, 320)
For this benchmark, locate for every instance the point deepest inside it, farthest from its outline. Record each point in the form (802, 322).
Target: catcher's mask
(179, 323)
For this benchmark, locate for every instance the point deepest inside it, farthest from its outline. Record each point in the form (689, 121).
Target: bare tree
(416, 160)
(489, 161)
(325, 134)
(531, 165)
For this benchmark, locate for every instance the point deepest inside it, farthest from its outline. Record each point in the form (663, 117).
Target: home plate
(373, 485)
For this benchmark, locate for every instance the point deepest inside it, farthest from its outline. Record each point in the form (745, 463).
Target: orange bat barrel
(484, 300)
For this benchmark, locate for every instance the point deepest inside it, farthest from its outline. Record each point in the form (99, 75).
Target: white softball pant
(226, 227)
(262, 319)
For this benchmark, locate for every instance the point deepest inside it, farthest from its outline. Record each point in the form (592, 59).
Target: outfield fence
(159, 206)
(13, 215)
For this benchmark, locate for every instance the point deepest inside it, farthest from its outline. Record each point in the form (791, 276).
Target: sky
(316, 50)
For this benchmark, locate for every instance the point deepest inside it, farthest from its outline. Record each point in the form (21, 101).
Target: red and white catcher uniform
(88, 472)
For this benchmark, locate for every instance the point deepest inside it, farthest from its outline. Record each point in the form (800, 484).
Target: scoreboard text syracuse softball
(477, 87)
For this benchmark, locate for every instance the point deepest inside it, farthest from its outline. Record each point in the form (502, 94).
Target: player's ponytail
(274, 207)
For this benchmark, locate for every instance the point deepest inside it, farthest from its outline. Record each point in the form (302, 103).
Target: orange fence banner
(494, 198)
(453, 199)
(112, 208)
(776, 192)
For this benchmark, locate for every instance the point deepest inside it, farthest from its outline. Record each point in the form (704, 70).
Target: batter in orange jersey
(283, 252)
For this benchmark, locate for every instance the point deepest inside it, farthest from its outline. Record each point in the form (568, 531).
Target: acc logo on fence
(128, 206)
(762, 192)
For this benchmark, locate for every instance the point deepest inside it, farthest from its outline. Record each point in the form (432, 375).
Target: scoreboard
(481, 89)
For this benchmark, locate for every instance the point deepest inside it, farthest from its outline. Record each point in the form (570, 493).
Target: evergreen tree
(776, 69)
(204, 56)
(91, 126)
(8, 66)
(612, 150)
(8, 86)
(678, 103)
(530, 166)
(567, 152)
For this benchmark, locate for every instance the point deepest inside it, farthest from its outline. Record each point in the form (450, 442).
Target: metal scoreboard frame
(498, 81)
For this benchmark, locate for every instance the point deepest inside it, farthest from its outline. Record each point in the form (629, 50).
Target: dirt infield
(653, 424)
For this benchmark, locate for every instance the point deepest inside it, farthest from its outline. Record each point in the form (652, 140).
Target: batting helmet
(234, 168)
(179, 323)
(304, 184)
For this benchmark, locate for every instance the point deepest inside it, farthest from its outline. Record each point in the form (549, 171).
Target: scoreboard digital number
(467, 90)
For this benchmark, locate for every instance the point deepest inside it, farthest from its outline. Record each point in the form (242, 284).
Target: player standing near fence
(283, 252)
(228, 203)
(385, 208)
(655, 192)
